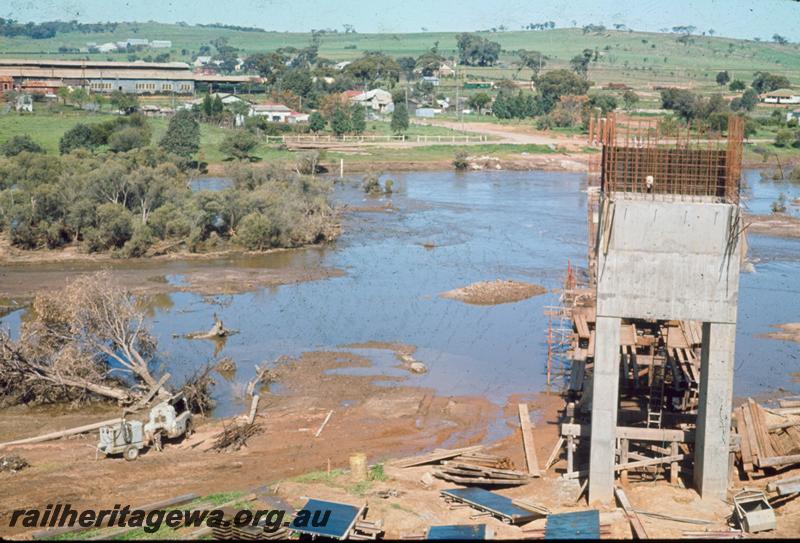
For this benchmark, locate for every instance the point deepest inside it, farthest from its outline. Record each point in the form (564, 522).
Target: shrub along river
(447, 230)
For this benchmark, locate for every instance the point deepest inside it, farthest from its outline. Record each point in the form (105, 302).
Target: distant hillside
(635, 57)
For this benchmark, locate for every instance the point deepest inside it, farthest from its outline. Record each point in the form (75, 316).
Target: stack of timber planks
(474, 474)
(769, 438)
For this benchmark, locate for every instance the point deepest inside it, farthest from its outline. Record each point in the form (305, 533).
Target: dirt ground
(494, 292)
(382, 421)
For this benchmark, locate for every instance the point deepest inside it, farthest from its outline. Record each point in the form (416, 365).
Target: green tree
(749, 99)
(79, 136)
(80, 96)
(358, 119)
(767, 82)
(557, 83)
(737, 85)
(19, 144)
(407, 66)
(533, 60)
(630, 99)
(128, 138)
(316, 122)
(784, 137)
(374, 67)
(183, 134)
(298, 81)
(63, 93)
(580, 63)
(217, 106)
(207, 107)
(113, 228)
(256, 232)
(479, 101)
(722, 78)
(474, 50)
(127, 103)
(239, 144)
(340, 121)
(605, 102)
(399, 122)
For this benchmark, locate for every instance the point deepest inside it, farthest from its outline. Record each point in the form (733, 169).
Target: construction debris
(753, 512)
(12, 463)
(768, 439)
(235, 437)
(785, 487)
(470, 474)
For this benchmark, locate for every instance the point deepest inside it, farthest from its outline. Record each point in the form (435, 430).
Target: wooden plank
(63, 433)
(627, 335)
(527, 441)
(436, 456)
(480, 480)
(324, 422)
(636, 524)
(634, 434)
(747, 455)
(472, 467)
(774, 461)
(755, 449)
(581, 326)
(764, 444)
(553, 458)
(650, 462)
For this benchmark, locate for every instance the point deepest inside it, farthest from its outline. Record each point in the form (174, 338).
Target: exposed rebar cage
(637, 157)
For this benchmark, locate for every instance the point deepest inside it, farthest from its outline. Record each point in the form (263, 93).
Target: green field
(636, 58)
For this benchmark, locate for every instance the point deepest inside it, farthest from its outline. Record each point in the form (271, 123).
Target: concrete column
(711, 470)
(605, 397)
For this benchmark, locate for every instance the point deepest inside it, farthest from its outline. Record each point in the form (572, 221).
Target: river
(483, 226)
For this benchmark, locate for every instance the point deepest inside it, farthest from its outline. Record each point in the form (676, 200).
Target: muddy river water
(482, 226)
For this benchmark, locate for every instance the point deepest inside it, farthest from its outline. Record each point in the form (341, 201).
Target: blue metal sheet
(341, 518)
(490, 502)
(580, 525)
(457, 531)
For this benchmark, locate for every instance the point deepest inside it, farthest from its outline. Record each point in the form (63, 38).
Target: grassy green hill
(636, 58)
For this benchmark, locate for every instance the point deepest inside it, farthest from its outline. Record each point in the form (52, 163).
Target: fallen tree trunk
(63, 433)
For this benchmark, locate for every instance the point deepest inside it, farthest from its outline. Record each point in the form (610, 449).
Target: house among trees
(277, 113)
(446, 70)
(377, 100)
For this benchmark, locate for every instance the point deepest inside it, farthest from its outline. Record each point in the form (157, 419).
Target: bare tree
(90, 336)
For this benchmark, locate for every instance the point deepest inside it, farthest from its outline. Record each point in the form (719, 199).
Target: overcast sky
(734, 18)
